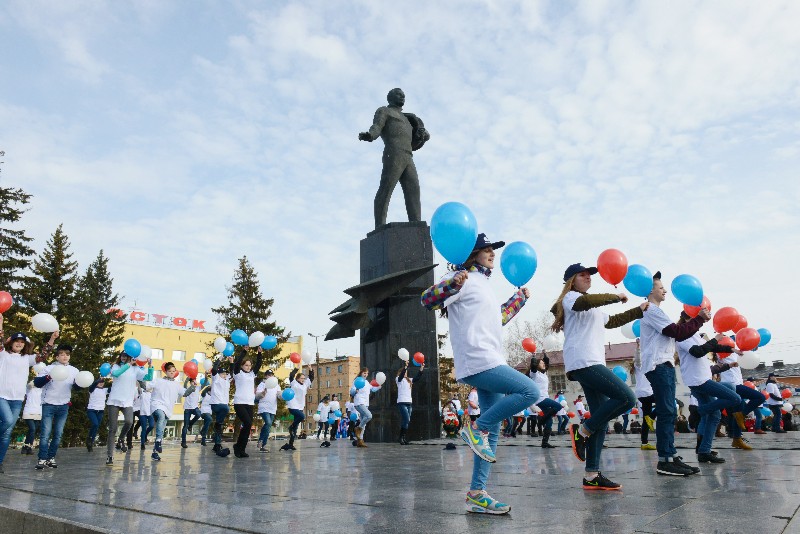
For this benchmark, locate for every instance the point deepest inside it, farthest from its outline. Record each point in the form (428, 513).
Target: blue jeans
(608, 398)
(776, 416)
(206, 423)
(563, 421)
(549, 408)
(95, 418)
(758, 419)
(219, 412)
(161, 424)
(751, 400)
(33, 426)
(405, 414)
(624, 423)
(147, 423)
(9, 413)
(268, 419)
(662, 378)
(190, 417)
(502, 392)
(711, 398)
(365, 416)
(53, 419)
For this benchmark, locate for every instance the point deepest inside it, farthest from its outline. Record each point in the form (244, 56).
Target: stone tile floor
(415, 489)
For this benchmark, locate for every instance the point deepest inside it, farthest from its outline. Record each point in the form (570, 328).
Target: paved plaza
(413, 489)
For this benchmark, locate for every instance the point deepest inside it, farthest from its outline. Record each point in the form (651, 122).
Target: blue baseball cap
(483, 242)
(576, 268)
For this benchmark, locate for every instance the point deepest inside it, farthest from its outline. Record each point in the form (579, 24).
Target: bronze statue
(402, 133)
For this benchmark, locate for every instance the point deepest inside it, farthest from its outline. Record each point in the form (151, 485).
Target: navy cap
(576, 268)
(657, 276)
(18, 335)
(483, 242)
(269, 372)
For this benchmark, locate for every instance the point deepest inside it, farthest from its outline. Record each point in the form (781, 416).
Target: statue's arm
(377, 126)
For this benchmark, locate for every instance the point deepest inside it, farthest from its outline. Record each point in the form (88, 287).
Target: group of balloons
(331, 418)
(454, 231)
(417, 360)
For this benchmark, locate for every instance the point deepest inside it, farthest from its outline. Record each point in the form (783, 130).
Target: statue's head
(396, 97)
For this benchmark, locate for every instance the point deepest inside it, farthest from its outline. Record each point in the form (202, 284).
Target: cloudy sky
(180, 136)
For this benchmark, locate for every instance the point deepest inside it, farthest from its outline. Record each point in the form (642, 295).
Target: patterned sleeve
(512, 306)
(435, 296)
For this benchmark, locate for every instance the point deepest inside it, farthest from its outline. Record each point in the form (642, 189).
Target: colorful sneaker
(483, 503)
(600, 483)
(578, 443)
(648, 447)
(651, 423)
(478, 441)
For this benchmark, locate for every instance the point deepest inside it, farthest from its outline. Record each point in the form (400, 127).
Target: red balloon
(741, 323)
(786, 393)
(725, 319)
(749, 384)
(612, 266)
(587, 415)
(570, 414)
(692, 311)
(5, 301)
(634, 411)
(748, 339)
(190, 370)
(295, 357)
(529, 345)
(374, 383)
(725, 342)
(419, 357)
(764, 392)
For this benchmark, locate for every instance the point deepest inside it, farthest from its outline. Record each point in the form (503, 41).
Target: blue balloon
(518, 263)
(202, 382)
(454, 231)
(414, 362)
(105, 369)
(639, 280)
(132, 348)
(287, 394)
(337, 413)
(526, 413)
(194, 360)
(359, 382)
(270, 342)
(766, 412)
(621, 373)
(229, 348)
(353, 391)
(374, 389)
(331, 420)
(766, 336)
(561, 398)
(353, 416)
(239, 337)
(637, 328)
(687, 289)
(460, 412)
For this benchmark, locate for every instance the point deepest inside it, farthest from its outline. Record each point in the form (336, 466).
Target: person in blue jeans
(467, 299)
(577, 314)
(549, 407)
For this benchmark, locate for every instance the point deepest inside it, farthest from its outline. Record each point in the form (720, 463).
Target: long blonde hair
(558, 307)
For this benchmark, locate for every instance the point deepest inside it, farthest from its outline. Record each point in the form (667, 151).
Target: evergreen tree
(14, 251)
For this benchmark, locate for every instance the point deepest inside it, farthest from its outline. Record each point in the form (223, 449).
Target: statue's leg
(392, 169)
(409, 181)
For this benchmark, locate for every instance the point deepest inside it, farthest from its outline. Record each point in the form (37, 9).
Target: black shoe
(600, 483)
(203, 442)
(705, 457)
(122, 447)
(546, 445)
(109, 460)
(51, 463)
(292, 448)
(678, 460)
(222, 453)
(780, 431)
(41, 464)
(216, 448)
(155, 457)
(333, 439)
(673, 469)
(157, 446)
(285, 447)
(184, 445)
(143, 446)
(236, 451)
(578, 443)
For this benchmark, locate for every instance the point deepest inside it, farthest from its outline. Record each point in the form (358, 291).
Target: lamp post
(316, 341)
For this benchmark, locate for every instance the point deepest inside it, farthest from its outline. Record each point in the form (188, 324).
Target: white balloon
(307, 357)
(220, 344)
(403, 354)
(59, 372)
(84, 379)
(748, 360)
(39, 368)
(271, 382)
(208, 363)
(627, 331)
(316, 417)
(44, 322)
(146, 353)
(256, 339)
(564, 404)
(380, 378)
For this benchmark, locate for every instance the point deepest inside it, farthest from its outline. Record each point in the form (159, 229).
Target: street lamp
(316, 341)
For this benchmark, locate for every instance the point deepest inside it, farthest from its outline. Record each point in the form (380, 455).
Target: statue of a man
(401, 133)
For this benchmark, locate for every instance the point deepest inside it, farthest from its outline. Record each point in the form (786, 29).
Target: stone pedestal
(400, 322)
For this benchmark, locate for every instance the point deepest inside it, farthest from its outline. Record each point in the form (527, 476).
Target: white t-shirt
(362, 395)
(579, 409)
(205, 406)
(192, 400)
(403, 389)
(220, 390)
(245, 388)
(562, 411)
(349, 407)
(473, 398)
(298, 402)
(335, 406)
(476, 326)
(734, 374)
(772, 388)
(145, 407)
(165, 394)
(656, 347)
(643, 387)
(456, 404)
(269, 402)
(324, 410)
(97, 399)
(123, 389)
(694, 371)
(137, 402)
(584, 335)
(33, 403)
(59, 392)
(14, 371)
(542, 384)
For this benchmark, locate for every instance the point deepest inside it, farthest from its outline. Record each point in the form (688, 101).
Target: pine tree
(248, 310)
(14, 251)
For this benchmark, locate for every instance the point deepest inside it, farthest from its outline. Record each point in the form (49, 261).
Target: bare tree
(538, 330)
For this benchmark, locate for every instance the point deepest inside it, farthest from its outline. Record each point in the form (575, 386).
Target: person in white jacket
(32, 413)
(125, 376)
(361, 403)
(267, 399)
(404, 385)
(166, 391)
(299, 383)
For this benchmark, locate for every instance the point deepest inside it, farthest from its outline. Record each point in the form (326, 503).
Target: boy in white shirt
(165, 392)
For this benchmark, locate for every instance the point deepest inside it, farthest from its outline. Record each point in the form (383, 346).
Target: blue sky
(180, 136)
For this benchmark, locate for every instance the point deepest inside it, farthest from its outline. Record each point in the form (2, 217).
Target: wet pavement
(417, 488)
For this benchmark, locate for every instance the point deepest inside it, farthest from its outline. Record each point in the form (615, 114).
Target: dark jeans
(608, 398)
(776, 416)
(711, 398)
(245, 414)
(190, 417)
(662, 379)
(33, 426)
(647, 409)
(206, 423)
(53, 419)
(751, 400)
(299, 417)
(95, 418)
(549, 408)
(219, 412)
(694, 418)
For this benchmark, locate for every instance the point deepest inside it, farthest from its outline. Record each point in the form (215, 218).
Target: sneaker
(51, 463)
(118, 446)
(122, 447)
(651, 423)
(216, 448)
(679, 461)
(285, 446)
(109, 460)
(144, 446)
(673, 469)
(578, 443)
(155, 457)
(41, 464)
(157, 446)
(263, 449)
(600, 483)
(483, 503)
(548, 446)
(203, 442)
(706, 457)
(184, 445)
(478, 441)
(648, 447)
(224, 452)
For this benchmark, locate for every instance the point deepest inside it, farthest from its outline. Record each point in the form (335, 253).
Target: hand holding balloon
(461, 277)
(623, 298)
(644, 305)
(526, 292)
(704, 314)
